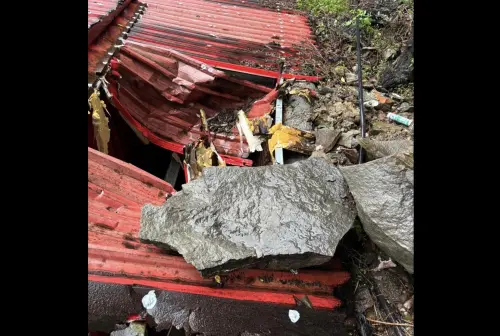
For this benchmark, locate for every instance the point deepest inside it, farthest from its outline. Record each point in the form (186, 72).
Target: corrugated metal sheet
(163, 91)
(98, 10)
(236, 35)
(101, 14)
(116, 193)
(104, 34)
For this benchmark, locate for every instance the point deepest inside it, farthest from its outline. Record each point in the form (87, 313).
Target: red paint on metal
(116, 193)
(318, 302)
(101, 13)
(103, 40)
(263, 106)
(168, 145)
(235, 34)
(255, 71)
(163, 91)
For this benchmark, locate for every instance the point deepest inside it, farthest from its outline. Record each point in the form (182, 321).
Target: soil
(387, 77)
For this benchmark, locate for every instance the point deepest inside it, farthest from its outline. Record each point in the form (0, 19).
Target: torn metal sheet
(164, 91)
(277, 217)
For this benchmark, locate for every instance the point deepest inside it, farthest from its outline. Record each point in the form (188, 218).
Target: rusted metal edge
(104, 62)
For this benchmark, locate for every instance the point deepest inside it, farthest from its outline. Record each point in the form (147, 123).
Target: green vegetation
(324, 6)
(365, 21)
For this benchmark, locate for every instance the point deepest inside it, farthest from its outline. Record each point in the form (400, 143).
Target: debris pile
(279, 217)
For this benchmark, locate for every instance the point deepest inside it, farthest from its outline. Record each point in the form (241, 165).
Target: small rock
(324, 90)
(327, 138)
(409, 304)
(363, 300)
(351, 78)
(389, 53)
(347, 124)
(371, 103)
(405, 107)
(351, 153)
(340, 70)
(395, 96)
(384, 127)
(347, 139)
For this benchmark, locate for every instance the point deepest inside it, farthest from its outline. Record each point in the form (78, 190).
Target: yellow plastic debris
(301, 92)
(100, 122)
(218, 279)
(287, 137)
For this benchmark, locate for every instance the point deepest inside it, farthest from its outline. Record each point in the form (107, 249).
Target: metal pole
(360, 90)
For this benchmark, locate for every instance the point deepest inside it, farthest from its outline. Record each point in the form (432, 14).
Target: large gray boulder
(279, 217)
(383, 191)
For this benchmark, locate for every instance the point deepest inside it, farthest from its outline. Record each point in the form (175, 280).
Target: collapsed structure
(207, 85)
(174, 80)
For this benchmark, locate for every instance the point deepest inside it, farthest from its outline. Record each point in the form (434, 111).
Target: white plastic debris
(293, 315)
(149, 300)
(254, 143)
(384, 264)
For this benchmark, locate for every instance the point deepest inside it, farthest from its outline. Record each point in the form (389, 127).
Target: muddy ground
(379, 302)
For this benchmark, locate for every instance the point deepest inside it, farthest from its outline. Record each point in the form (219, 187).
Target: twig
(357, 283)
(390, 323)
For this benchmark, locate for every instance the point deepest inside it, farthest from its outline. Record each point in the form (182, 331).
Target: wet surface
(110, 304)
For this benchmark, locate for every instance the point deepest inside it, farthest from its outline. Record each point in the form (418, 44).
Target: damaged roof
(238, 35)
(116, 193)
(108, 25)
(161, 93)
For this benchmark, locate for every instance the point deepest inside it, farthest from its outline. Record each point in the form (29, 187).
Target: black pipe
(360, 90)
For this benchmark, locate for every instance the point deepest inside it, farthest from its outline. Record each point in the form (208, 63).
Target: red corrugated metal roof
(104, 34)
(236, 35)
(163, 91)
(100, 9)
(116, 193)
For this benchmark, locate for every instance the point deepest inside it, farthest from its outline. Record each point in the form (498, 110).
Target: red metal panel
(163, 91)
(116, 193)
(101, 13)
(235, 33)
(104, 34)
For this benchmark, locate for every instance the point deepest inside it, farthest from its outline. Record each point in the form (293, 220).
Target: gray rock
(371, 103)
(377, 149)
(383, 191)
(327, 138)
(134, 329)
(363, 300)
(347, 139)
(298, 111)
(279, 217)
(405, 107)
(398, 72)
